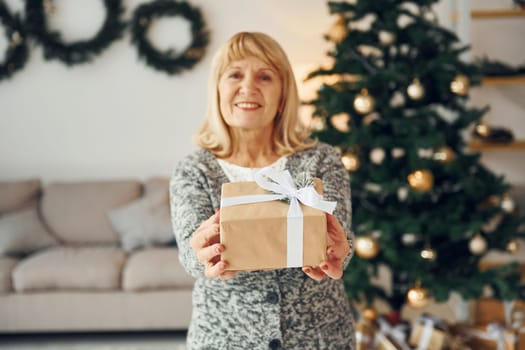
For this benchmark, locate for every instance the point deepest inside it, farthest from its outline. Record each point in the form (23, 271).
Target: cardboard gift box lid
(255, 235)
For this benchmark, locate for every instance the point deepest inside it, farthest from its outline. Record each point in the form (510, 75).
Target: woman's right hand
(205, 243)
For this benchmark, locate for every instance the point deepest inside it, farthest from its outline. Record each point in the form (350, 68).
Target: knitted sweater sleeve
(336, 183)
(190, 205)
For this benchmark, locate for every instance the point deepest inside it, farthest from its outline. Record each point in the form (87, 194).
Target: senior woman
(251, 123)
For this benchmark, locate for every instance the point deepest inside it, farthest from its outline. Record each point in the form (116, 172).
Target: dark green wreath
(17, 52)
(169, 61)
(76, 52)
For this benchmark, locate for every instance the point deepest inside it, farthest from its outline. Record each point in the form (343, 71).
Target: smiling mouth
(247, 105)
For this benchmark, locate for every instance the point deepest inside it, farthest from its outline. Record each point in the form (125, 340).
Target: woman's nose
(248, 84)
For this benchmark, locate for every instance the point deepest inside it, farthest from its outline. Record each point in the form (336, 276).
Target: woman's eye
(235, 75)
(266, 77)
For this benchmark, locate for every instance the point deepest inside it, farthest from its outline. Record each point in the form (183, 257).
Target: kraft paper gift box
(486, 337)
(429, 333)
(255, 235)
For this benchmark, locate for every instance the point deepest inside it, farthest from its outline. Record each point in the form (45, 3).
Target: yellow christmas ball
(416, 90)
(482, 129)
(421, 180)
(460, 85)
(363, 102)
(507, 204)
(417, 297)
(369, 313)
(350, 161)
(477, 245)
(366, 247)
(444, 154)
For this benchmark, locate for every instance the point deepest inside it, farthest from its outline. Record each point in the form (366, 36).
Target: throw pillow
(23, 233)
(143, 223)
(17, 195)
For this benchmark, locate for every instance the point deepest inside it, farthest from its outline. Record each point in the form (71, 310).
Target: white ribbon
(426, 335)
(494, 332)
(283, 187)
(396, 332)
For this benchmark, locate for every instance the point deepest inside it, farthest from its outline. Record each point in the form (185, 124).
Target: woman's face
(249, 94)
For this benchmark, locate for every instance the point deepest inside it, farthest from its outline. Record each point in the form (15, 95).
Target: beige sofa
(89, 256)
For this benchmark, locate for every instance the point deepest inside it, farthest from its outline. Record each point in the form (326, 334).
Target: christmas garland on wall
(76, 52)
(169, 61)
(17, 52)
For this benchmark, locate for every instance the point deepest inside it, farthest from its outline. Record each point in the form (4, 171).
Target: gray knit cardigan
(276, 309)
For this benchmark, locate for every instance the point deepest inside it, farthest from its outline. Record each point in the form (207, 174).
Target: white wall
(116, 117)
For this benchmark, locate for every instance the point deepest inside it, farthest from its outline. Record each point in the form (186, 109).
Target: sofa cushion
(22, 232)
(17, 195)
(88, 268)
(76, 212)
(6, 266)
(146, 221)
(155, 268)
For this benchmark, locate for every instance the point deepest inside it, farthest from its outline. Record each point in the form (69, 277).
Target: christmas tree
(395, 103)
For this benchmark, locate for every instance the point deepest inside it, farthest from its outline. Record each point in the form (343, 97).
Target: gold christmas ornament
(318, 124)
(386, 37)
(363, 102)
(428, 253)
(477, 245)
(339, 30)
(366, 247)
(340, 122)
(460, 85)
(418, 296)
(350, 161)
(513, 246)
(369, 313)
(507, 204)
(377, 155)
(416, 90)
(444, 154)
(421, 180)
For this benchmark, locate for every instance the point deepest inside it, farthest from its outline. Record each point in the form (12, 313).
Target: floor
(104, 341)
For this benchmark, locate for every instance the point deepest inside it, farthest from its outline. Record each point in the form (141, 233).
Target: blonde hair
(289, 135)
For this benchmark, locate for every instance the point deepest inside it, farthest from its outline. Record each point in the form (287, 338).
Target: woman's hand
(336, 251)
(205, 243)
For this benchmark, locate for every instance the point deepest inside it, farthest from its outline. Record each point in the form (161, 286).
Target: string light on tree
(363, 102)
(460, 85)
(386, 37)
(428, 253)
(366, 247)
(482, 129)
(318, 124)
(416, 90)
(16, 39)
(418, 296)
(350, 161)
(513, 246)
(444, 154)
(377, 155)
(421, 180)
(409, 238)
(478, 244)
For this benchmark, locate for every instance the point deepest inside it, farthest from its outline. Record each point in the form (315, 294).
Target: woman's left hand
(336, 251)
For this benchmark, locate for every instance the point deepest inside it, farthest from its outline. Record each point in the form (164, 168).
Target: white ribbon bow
(283, 187)
(396, 332)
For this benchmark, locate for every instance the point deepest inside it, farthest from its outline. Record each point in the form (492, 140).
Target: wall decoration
(169, 61)
(77, 52)
(17, 50)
